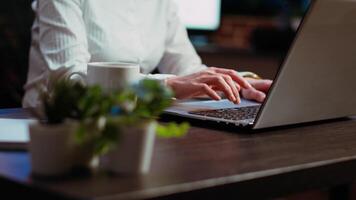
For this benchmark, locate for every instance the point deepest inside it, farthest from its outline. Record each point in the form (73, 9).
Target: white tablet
(14, 133)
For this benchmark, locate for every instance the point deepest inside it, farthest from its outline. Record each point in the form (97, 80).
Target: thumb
(253, 94)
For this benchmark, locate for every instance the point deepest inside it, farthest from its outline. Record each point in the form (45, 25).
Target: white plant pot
(52, 148)
(133, 153)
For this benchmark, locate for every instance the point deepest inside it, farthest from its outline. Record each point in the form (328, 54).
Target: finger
(234, 75)
(238, 86)
(261, 85)
(220, 83)
(253, 94)
(210, 92)
(234, 88)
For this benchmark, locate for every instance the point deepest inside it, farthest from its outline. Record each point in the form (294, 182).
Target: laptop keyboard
(236, 114)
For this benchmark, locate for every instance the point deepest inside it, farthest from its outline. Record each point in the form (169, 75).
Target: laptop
(316, 80)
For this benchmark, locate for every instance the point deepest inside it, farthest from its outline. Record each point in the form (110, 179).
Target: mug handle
(78, 77)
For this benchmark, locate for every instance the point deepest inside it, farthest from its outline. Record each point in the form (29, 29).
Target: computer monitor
(202, 15)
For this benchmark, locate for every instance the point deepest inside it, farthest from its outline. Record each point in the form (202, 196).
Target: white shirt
(68, 34)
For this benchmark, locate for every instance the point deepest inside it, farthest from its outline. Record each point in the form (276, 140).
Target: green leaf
(172, 130)
(61, 101)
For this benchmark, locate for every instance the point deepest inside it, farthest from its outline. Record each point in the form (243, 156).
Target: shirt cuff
(158, 77)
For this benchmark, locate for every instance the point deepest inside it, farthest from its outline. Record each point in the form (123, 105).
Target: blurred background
(249, 35)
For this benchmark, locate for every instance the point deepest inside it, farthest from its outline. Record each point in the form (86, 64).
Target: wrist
(169, 81)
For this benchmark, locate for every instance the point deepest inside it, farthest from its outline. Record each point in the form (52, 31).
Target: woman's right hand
(209, 82)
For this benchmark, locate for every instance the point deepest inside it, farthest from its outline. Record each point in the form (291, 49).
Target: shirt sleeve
(180, 57)
(62, 34)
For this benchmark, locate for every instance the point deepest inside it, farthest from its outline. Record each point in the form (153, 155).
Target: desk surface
(208, 163)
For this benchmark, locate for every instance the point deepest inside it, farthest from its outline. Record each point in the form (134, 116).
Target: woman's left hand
(258, 91)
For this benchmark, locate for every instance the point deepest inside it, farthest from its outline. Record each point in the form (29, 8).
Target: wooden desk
(211, 164)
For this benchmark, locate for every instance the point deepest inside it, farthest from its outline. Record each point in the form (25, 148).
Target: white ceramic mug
(113, 75)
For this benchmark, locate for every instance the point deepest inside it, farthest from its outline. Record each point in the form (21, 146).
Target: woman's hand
(258, 90)
(209, 82)
(213, 80)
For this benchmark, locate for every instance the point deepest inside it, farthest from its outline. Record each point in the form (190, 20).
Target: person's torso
(126, 30)
(116, 30)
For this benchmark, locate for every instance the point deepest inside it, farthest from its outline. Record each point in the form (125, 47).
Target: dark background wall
(264, 7)
(15, 25)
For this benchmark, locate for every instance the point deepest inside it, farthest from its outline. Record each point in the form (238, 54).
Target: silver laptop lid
(317, 79)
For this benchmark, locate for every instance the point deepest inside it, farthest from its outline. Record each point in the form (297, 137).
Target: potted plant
(52, 143)
(78, 123)
(127, 144)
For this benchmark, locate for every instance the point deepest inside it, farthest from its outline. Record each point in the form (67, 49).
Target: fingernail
(238, 100)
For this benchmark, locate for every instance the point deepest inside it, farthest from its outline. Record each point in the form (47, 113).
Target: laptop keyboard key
(235, 114)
